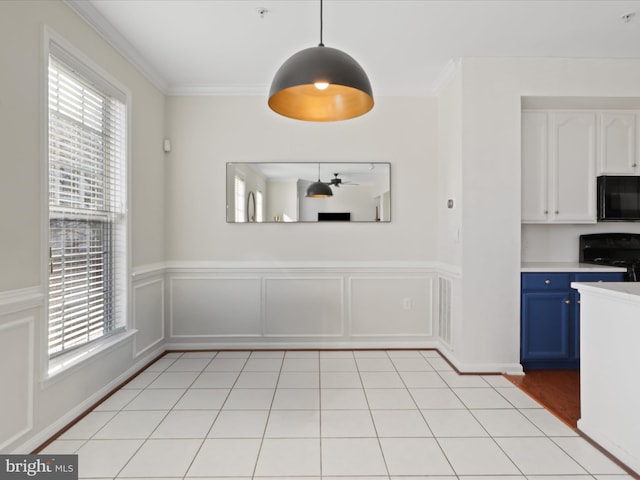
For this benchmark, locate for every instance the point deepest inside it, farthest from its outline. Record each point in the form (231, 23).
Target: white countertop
(567, 267)
(619, 290)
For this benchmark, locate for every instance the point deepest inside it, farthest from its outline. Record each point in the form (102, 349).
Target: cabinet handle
(634, 165)
(578, 302)
(567, 302)
(547, 282)
(557, 212)
(546, 212)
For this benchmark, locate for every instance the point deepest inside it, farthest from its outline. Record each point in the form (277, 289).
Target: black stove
(613, 249)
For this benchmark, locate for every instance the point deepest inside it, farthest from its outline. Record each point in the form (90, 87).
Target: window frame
(53, 366)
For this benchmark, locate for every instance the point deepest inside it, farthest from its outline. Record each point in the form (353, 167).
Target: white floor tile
(400, 423)
(239, 424)
(455, 380)
(381, 380)
(547, 422)
(352, 456)
(293, 424)
(162, 458)
(401, 354)
(160, 365)
(188, 365)
(234, 354)
(453, 423)
(439, 364)
(215, 380)
(206, 354)
(481, 398)
(343, 399)
(261, 364)
(202, 399)
(174, 380)
(118, 400)
(338, 364)
(347, 423)
(436, 398)
(389, 399)
(257, 380)
(226, 365)
(185, 424)
(105, 458)
(301, 365)
(340, 380)
(142, 380)
(588, 456)
(88, 426)
(275, 354)
(336, 354)
(249, 399)
(228, 457)
(422, 380)
(418, 364)
(282, 458)
(296, 399)
(133, 424)
(299, 380)
(302, 354)
(156, 399)
(366, 364)
(498, 381)
(477, 456)
(518, 398)
(62, 447)
(370, 354)
(414, 456)
(539, 456)
(506, 423)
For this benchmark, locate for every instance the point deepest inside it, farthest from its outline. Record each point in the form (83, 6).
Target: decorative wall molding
(21, 299)
(148, 298)
(17, 359)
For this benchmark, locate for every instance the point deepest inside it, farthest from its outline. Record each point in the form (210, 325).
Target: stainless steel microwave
(618, 198)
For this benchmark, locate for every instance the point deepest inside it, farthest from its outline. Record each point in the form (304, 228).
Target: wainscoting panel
(309, 307)
(214, 307)
(16, 376)
(396, 306)
(148, 314)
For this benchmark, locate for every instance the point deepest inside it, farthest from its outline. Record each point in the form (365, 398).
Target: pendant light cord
(321, 44)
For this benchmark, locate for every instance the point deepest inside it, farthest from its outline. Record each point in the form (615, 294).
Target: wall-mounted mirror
(277, 192)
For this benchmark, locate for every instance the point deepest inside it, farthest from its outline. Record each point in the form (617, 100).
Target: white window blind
(239, 189)
(87, 222)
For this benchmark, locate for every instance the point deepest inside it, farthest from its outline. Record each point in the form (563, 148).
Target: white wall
(491, 98)
(34, 408)
(207, 132)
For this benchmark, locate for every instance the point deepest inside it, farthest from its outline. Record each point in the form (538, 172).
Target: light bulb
(321, 85)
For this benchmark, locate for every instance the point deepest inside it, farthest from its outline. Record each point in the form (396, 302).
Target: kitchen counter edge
(531, 267)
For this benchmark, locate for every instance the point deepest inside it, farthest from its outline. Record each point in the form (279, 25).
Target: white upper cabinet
(535, 161)
(617, 140)
(558, 167)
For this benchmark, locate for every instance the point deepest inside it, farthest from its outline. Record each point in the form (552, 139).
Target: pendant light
(319, 189)
(321, 84)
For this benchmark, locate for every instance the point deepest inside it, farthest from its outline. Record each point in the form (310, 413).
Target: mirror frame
(296, 207)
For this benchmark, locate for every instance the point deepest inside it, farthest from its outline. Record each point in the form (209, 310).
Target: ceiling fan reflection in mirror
(336, 181)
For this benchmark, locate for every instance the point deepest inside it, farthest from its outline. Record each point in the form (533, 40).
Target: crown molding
(99, 23)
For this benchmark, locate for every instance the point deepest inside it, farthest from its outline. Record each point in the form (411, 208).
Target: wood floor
(557, 390)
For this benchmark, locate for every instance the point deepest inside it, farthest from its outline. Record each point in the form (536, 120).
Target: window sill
(60, 366)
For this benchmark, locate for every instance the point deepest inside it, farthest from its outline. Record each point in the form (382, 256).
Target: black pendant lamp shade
(321, 84)
(319, 189)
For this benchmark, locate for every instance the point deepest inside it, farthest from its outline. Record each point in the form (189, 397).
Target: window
(87, 207)
(259, 206)
(239, 189)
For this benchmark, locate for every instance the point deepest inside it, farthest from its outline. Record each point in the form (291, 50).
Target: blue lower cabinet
(550, 318)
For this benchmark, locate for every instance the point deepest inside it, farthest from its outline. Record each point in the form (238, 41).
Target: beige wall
(207, 132)
(31, 405)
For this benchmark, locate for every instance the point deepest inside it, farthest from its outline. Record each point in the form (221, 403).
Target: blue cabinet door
(545, 326)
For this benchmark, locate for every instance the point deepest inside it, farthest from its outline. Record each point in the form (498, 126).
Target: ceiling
(407, 47)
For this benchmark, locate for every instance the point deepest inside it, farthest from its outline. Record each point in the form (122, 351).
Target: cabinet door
(535, 156)
(573, 164)
(545, 326)
(617, 139)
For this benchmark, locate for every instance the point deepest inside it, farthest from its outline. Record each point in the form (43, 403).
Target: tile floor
(358, 415)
